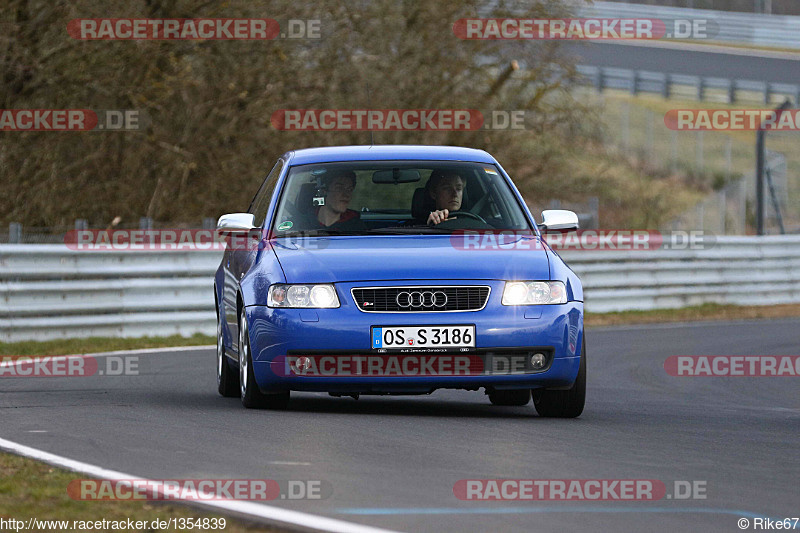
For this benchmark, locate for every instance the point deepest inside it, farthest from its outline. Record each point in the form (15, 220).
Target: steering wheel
(467, 214)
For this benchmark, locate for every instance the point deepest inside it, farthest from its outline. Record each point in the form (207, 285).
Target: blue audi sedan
(397, 270)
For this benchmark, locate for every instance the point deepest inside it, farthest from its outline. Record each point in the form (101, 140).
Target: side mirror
(559, 219)
(236, 223)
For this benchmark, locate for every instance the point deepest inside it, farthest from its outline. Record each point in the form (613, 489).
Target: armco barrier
(782, 31)
(751, 29)
(733, 270)
(49, 291)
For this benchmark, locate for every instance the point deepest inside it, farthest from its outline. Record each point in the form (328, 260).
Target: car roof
(387, 152)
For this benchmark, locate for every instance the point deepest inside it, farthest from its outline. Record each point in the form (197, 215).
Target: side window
(260, 203)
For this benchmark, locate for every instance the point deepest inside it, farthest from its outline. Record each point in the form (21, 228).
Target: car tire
(563, 403)
(227, 379)
(510, 397)
(251, 395)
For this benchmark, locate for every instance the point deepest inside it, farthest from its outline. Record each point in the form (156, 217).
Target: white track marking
(27, 359)
(274, 515)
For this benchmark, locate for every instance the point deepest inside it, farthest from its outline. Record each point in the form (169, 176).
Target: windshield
(396, 197)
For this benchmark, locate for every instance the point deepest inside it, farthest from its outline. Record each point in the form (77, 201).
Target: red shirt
(347, 215)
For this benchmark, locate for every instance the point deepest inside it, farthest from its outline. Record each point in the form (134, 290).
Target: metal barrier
(782, 31)
(48, 291)
(693, 87)
(733, 270)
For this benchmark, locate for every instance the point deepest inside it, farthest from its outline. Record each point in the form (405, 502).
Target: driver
(446, 187)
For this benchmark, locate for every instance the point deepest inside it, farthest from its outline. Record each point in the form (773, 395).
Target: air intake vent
(433, 299)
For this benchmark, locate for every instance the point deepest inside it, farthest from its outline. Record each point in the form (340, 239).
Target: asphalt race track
(392, 462)
(693, 60)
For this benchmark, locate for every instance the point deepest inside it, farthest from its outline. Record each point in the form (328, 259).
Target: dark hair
(338, 173)
(439, 174)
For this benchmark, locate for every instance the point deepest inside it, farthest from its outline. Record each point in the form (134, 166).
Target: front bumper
(499, 330)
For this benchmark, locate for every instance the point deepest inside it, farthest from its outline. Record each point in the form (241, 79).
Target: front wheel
(564, 403)
(251, 395)
(227, 382)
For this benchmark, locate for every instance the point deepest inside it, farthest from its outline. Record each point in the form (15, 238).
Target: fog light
(538, 361)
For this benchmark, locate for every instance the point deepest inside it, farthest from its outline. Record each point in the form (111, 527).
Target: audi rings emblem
(421, 299)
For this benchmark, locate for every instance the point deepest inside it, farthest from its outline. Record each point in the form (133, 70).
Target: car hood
(376, 258)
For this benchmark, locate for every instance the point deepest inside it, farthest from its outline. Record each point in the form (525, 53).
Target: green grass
(99, 344)
(30, 489)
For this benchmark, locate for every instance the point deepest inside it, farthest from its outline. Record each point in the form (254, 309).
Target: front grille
(436, 299)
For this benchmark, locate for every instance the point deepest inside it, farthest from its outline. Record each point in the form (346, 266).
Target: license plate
(396, 337)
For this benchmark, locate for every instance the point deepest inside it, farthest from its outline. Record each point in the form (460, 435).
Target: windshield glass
(368, 197)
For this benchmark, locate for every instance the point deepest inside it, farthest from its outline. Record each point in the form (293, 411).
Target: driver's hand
(438, 216)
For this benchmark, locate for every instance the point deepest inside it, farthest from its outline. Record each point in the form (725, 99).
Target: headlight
(300, 296)
(534, 293)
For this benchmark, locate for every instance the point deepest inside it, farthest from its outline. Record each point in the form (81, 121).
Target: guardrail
(49, 291)
(686, 86)
(733, 270)
(782, 31)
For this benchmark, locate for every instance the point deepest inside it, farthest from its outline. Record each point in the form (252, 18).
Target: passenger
(335, 213)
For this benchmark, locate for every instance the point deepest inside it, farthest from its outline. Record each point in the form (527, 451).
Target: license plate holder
(421, 337)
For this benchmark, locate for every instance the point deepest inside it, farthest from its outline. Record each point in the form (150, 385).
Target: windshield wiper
(410, 230)
(314, 233)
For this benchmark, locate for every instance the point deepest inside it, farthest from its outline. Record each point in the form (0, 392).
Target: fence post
(146, 223)
(742, 207)
(700, 215)
(674, 150)
(594, 209)
(81, 224)
(701, 88)
(15, 233)
(634, 83)
(209, 223)
(599, 80)
(626, 119)
(731, 91)
(728, 158)
(699, 151)
(666, 90)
